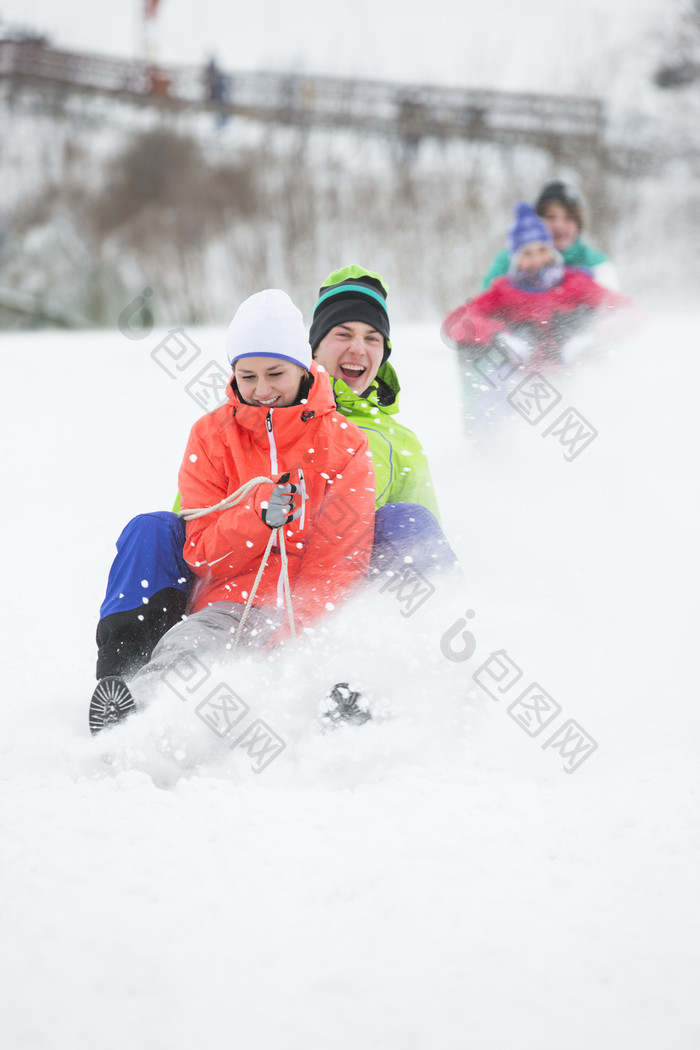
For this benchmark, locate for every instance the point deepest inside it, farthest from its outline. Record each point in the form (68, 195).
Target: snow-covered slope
(435, 878)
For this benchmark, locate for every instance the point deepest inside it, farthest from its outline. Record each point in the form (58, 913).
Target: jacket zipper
(273, 471)
(302, 490)
(271, 440)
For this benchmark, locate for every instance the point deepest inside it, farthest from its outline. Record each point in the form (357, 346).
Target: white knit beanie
(268, 324)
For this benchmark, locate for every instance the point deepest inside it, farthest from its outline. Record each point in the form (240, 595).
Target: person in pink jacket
(537, 311)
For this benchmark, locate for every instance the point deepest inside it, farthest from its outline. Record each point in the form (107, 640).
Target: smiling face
(564, 228)
(269, 382)
(534, 256)
(352, 351)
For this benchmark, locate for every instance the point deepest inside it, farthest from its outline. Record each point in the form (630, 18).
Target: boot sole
(110, 704)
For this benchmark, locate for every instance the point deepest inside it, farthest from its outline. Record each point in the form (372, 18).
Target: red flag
(150, 8)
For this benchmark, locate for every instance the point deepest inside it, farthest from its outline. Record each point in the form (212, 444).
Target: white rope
(275, 534)
(230, 501)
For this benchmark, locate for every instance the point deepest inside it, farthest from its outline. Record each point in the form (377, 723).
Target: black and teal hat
(351, 294)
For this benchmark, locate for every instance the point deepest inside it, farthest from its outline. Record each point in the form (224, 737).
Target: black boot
(341, 705)
(111, 703)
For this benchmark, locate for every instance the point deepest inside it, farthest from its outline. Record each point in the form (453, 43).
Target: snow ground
(432, 879)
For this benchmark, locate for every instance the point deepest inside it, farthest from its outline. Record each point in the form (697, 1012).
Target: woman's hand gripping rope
(276, 512)
(281, 508)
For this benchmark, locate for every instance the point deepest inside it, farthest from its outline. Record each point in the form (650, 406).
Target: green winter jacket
(400, 464)
(577, 254)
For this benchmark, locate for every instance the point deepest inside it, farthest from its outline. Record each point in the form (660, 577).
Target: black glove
(281, 508)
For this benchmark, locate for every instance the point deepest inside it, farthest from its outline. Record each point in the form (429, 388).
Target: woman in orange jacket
(278, 456)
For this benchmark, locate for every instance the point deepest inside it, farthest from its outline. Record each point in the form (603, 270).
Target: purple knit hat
(527, 229)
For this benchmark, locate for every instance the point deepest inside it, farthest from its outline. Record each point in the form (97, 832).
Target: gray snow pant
(186, 653)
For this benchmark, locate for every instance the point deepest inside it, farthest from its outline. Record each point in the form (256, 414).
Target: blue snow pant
(409, 531)
(147, 591)
(149, 582)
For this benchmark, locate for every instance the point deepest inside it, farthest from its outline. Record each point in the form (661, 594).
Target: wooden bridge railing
(411, 111)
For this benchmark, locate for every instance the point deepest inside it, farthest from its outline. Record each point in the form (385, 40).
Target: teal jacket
(400, 464)
(577, 254)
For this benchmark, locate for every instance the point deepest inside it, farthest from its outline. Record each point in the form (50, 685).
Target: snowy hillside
(103, 199)
(433, 879)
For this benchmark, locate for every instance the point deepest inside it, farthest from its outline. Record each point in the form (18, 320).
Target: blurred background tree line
(101, 202)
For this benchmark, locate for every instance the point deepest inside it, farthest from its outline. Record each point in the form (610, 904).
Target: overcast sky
(552, 45)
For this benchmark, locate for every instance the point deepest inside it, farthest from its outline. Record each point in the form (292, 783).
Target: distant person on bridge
(537, 313)
(216, 82)
(561, 207)
(217, 86)
(159, 82)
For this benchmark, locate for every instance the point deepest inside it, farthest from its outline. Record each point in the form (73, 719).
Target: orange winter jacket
(328, 457)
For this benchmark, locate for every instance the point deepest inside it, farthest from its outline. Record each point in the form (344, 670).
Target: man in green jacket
(560, 205)
(149, 581)
(350, 337)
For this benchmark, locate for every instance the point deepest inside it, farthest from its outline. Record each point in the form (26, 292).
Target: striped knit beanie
(351, 294)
